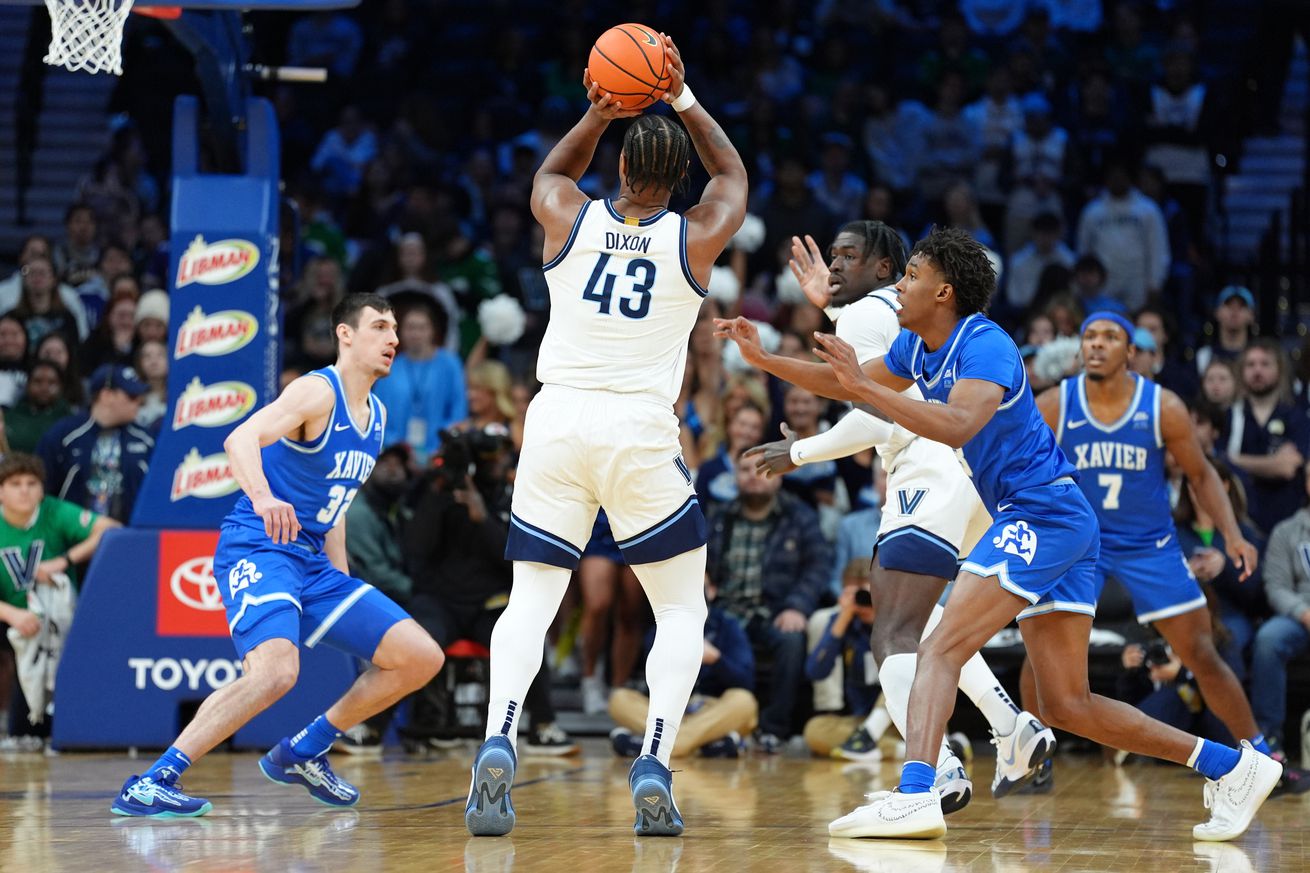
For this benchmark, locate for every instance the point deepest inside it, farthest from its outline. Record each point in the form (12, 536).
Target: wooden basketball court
(755, 813)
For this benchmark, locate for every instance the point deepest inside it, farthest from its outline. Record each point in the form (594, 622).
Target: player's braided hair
(880, 241)
(656, 149)
(964, 264)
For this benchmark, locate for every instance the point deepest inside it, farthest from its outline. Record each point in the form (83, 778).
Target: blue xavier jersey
(1121, 464)
(1015, 449)
(320, 479)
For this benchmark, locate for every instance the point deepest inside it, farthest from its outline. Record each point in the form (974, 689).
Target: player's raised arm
(722, 205)
(556, 197)
(1207, 488)
(306, 399)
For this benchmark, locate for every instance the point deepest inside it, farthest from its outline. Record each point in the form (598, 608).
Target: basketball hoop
(87, 34)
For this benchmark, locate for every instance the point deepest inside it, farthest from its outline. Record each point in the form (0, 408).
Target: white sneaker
(1234, 799)
(891, 814)
(595, 697)
(1020, 752)
(953, 785)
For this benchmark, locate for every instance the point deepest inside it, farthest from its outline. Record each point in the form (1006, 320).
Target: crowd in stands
(1077, 141)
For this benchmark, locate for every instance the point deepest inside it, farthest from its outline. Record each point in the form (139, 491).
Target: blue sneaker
(652, 795)
(162, 798)
(283, 765)
(625, 743)
(724, 747)
(489, 812)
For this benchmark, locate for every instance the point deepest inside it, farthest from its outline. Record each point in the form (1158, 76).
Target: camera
(1157, 654)
(468, 453)
(863, 597)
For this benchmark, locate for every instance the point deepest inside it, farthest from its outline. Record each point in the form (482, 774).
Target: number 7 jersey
(623, 303)
(321, 478)
(1121, 464)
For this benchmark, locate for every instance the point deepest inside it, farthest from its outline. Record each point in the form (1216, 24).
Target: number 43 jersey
(623, 303)
(1121, 464)
(320, 479)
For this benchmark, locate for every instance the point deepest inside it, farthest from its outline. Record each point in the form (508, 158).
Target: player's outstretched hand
(811, 272)
(1243, 555)
(774, 459)
(676, 70)
(744, 333)
(845, 365)
(280, 522)
(604, 104)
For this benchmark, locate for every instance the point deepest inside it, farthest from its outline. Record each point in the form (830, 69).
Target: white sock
(896, 673)
(877, 722)
(980, 685)
(676, 590)
(518, 642)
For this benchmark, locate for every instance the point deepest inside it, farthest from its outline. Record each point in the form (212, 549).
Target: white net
(87, 34)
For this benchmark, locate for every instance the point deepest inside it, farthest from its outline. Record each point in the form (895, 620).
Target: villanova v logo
(22, 568)
(910, 501)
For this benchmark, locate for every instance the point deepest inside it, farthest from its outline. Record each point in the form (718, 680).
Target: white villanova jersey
(623, 303)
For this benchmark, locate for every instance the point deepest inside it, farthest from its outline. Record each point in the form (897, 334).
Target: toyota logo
(193, 584)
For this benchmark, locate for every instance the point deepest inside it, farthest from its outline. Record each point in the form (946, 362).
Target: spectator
(55, 348)
(11, 289)
(1238, 604)
(13, 358)
(93, 294)
(1178, 130)
(844, 642)
(960, 208)
(1039, 162)
(705, 393)
(455, 544)
(152, 317)
(425, 392)
(1170, 372)
(716, 479)
(490, 404)
(76, 257)
(837, 189)
(40, 305)
(1287, 634)
(47, 538)
(1125, 230)
(410, 275)
(1155, 681)
(98, 460)
(997, 117)
(1234, 317)
(950, 147)
(1268, 438)
(722, 708)
(326, 38)
(344, 153)
(859, 527)
(375, 524)
(41, 405)
(1028, 263)
(769, 563)
(814, 483)
(114, 338)
(1146, 356)
(1219, 385)
(788, 208)
(151, 362)
(1089, 278)
(311, 342)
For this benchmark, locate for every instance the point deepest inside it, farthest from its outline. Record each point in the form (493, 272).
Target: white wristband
(683, 101)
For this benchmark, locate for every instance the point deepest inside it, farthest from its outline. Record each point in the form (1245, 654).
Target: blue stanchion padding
(147, 639)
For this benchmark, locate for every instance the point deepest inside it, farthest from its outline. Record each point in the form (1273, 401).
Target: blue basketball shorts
(1043, 546)
(601, 544)
(289, 592)
(1157, 578)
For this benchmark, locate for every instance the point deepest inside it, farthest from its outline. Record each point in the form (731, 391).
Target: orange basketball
(628, 62)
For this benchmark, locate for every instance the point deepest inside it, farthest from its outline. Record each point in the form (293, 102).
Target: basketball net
(87, 34)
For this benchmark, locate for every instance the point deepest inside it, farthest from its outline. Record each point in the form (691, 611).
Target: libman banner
(224, 336)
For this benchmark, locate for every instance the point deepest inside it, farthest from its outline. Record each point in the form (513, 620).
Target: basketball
(628, 62)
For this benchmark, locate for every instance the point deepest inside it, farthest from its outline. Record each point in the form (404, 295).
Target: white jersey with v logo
(623, 303)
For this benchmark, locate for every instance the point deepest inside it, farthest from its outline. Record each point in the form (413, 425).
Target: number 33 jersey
(320, 478)
(623, 303)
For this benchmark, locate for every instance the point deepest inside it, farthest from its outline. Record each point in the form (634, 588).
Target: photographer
(1156, 682)
(455, 543)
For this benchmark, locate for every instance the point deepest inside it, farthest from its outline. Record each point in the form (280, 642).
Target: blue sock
(1259, 743)
(917, 777)
(174, 760)
(315, 739)
(1212, 760)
